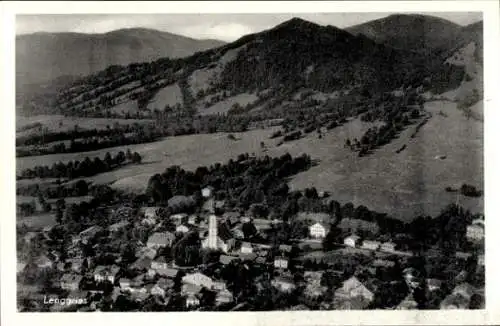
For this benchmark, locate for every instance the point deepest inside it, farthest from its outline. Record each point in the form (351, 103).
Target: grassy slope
(411, 182)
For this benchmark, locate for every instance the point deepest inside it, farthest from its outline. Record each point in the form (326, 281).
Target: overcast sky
(226, 27)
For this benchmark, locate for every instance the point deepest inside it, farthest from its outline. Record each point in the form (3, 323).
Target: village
(223, 260)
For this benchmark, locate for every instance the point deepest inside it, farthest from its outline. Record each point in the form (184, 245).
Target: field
(59, 123)
(405, 184)
(223, 106)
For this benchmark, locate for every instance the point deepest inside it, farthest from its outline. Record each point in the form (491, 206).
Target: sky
(225, 27)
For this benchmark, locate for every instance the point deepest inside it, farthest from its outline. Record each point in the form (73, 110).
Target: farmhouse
(207, 192)
(192, 301)
(318, 230)
(475, 231)
(141, 264)
(353, 294)
(283, 283)
(246, 248)
(352, 241)
(224, 297)
(179, 219)
(388, 247)
(183, 228)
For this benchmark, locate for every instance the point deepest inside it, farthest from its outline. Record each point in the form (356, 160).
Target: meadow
(404, 184)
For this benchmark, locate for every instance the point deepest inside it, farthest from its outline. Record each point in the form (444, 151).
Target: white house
(352, 241)
(192, 301)
(246, 248)
(198, 279)
(182, 228)
(317, 230)
(207, 192)
(370, 245)
(281, 262)
(284, 284)
(224, 297)
(475, 232)
(388, 246)
(353, 288)
(106, 273)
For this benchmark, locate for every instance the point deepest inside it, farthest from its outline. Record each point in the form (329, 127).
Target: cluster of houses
(232, 236)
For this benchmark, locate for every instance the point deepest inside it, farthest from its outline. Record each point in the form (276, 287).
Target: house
(192, 301)
(183, 228)
(141, 264)
(152, 212)
(353, 288)
(118, 226)
(370, 245)
(433, 284)
(238, 232)
(219, 236)
(192, 219)
(454, 301)
(179, 219)
(232, 217)
(29, 236)
(281, 262)
(246, 248)
(318, 230)
(411, 277)
(168, 272)
(160, 240)
(244, 256)
(465, 290)
(283, 283)
(224, 297)
(188, 289)
(145, 252)
(352, 241)
(159, 263)
(285, 248)
(475, 231)
(90, 233)
(463, 255)
(160, 287)
(125, 284)
(76, 264)
(388, 247)
(43, 262)
(408, 303)
(383, 263)
(198, 279)
(207, 192)
(106, 273)
(219, 285)
(70, 282)
(480, 260)
(225, 259)
(261, 224)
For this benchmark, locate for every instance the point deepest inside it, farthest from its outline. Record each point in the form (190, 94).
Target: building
(125, 284)
(161, 287)
(454, 301)
(219, 286)
(383, 263)
(190, 289)
(146, 252)
(224, 297)
(352, 241)
(43, 262)
(388, 247)
(281, 262)
(76, 264)
(207, 192)
(408, 303)
(159, 263)
(411, 277)
(29, 236)
(283, 283)
(475, 231)
(198, 279)
(152, 212)
(465, 290)
(318, 231)
(183, 228)
(314, 288)
(118, 226)
(433, 284)
(70, 282)
(106, 273)
(192, 301)
(219, 236)
(285, 248)
(480, 260)
(192, 219)
(161, 240)
(370, 245)
(141, 264)
(90, 233)
(353, 288)
(225, 259)
(179, 219)
(246, 248)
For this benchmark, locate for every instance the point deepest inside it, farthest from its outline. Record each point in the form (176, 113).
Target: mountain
(294, 55)
(412, 32)
(45, 56)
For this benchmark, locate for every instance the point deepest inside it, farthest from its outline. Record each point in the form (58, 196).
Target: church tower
(212, 232)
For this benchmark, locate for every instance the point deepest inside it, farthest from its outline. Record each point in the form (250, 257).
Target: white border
(491, 112)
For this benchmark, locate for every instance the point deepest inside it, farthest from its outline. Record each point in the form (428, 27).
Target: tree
(136, 158)
(129, 154)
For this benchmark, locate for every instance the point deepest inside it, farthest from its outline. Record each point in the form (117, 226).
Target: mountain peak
(296, 22)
